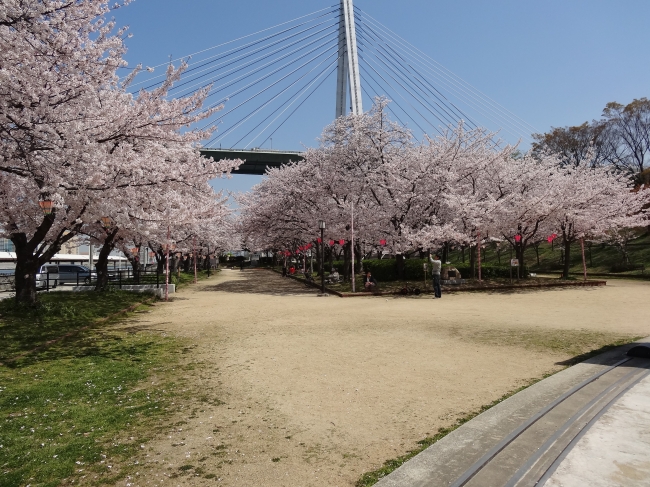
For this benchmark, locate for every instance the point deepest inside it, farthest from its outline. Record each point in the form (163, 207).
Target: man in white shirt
(436, 267)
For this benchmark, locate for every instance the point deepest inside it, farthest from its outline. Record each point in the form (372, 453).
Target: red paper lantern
(331, 243)
(517, 238)
(319, 240)
(342, 242)
(46, 206)
(382, 242)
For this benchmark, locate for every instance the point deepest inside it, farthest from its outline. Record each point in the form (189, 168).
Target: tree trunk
(536, 247)
(400, 267)
(102, 260)
(472, 260)
(520, 250)
(445, 252)
(567, 258)
(358, 255)
(26, 267)
(347, 261)
(462, 249)
(135, 267)
(27, 264)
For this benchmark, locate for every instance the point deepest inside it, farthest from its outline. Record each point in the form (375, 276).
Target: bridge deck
(255, 161)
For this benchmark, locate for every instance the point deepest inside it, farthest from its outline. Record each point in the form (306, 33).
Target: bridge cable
(250, 63)
(419, 78)
(281, 92)
(220, 136)
(447, 76)
(244, 37)
(363, 68)
(253, 71)
(398, 92)
(444, 118)
(442, 110)
(438, 70)
(301, 103)
(241, 90)
(292, 99)
(507, 128)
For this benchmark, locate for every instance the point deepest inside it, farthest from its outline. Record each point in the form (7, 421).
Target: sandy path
(330, 388)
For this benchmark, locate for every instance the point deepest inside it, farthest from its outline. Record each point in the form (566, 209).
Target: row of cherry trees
(460, 188)
(80, 155)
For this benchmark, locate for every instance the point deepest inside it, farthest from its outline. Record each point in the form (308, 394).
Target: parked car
(47, 276)
(75, 274)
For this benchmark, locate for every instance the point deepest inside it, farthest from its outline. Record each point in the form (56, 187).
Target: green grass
(23, 328)
(85, 405)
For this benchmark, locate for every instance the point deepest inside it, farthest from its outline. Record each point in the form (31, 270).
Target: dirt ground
(298, 390)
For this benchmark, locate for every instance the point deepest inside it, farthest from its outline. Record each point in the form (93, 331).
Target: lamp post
(352, 246)
(321, 225)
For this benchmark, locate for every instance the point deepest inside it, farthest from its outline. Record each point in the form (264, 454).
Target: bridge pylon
(348, 77)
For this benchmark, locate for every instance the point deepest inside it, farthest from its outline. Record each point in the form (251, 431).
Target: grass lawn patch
(83, 407)
(57, 313)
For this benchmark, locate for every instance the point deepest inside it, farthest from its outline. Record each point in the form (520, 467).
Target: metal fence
(118, 278)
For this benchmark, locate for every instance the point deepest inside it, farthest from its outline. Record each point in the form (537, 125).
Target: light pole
(321, 225)
(352, 247)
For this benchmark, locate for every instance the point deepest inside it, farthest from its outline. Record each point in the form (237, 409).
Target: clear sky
(550, 62)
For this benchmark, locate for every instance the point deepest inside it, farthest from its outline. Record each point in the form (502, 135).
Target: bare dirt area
(290, 389)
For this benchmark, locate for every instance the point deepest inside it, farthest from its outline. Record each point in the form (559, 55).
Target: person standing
(436, 267)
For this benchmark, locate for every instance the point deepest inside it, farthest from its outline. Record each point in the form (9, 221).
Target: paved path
(616, 450)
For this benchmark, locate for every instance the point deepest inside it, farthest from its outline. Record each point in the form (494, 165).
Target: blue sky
(551, 62)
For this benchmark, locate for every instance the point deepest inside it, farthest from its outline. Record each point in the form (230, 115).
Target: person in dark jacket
(369, 282)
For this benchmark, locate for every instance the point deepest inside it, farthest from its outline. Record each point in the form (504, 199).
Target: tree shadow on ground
(585, 357)
(527, 290)
(262, 282)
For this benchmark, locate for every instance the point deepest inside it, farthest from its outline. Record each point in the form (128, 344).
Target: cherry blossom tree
(71, 134)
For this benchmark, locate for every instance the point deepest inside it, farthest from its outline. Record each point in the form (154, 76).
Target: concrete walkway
(615, 451)
(588, 425)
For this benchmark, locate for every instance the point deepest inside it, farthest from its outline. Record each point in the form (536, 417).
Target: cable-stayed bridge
(341, 53)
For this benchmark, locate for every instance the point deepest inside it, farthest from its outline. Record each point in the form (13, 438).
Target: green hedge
(386, 269)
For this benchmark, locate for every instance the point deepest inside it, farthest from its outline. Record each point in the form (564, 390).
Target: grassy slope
(604, 258)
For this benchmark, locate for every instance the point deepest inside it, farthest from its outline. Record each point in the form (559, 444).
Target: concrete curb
(446, 460)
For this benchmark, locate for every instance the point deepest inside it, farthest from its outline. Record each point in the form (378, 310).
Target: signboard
(425, 267)
(514, 262)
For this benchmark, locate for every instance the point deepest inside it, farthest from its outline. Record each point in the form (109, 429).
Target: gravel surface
(291, 389)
